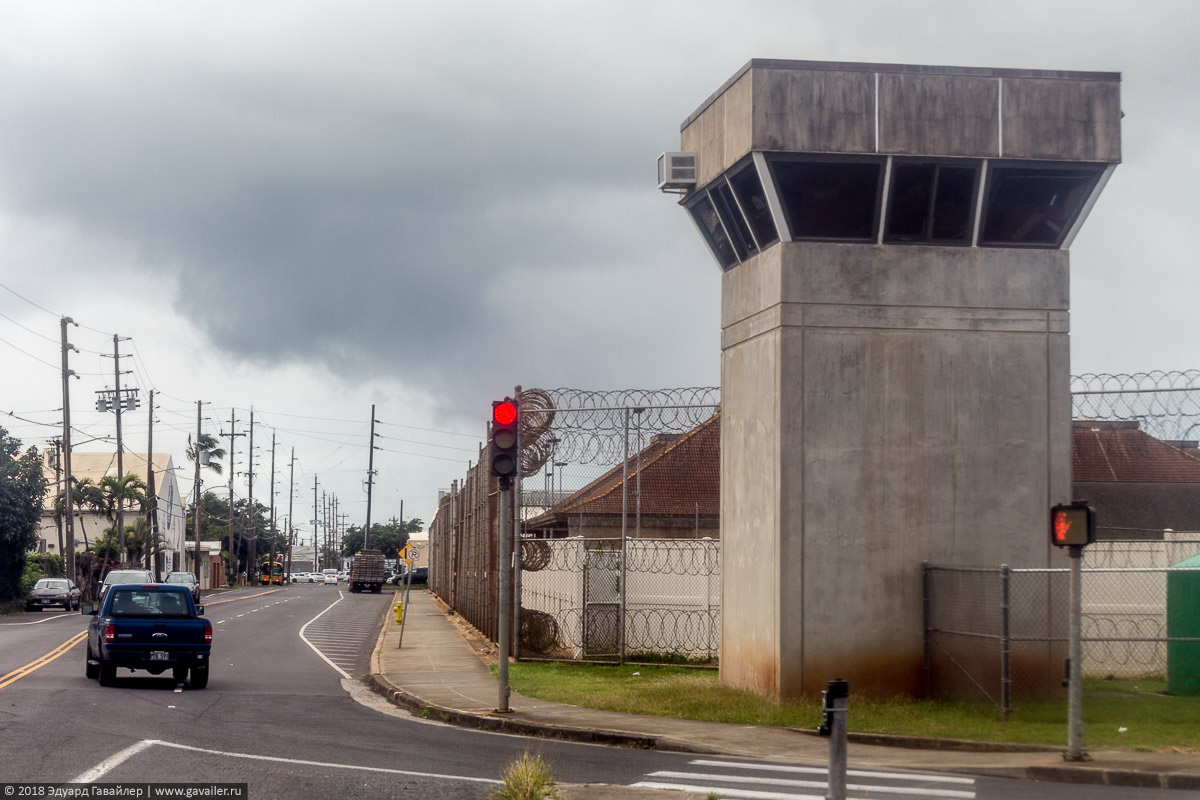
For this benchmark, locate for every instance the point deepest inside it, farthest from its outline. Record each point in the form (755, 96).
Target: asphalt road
(285, 712)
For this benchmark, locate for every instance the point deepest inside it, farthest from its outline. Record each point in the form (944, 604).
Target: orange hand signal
(1061, 525)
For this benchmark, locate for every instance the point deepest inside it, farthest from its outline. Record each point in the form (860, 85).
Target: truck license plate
(159, 655)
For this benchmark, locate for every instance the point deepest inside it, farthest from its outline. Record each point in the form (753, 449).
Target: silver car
(57, 592)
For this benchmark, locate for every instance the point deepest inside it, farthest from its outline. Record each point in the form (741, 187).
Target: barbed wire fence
(1165, 404)
(620, 552)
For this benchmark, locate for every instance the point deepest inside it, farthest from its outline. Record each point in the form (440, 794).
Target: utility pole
(252, 515)
(291, 497)
(152, 509)
(58, 484)
(273, 508)
(196, 504)
(370, 479)
(233, 559)
(69, 511)
(316, 528)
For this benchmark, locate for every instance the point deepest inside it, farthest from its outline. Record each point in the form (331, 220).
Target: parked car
(188, 580)
(119, 576)
(57, 592)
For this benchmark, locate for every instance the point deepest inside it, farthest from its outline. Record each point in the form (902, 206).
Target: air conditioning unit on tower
(676, 171)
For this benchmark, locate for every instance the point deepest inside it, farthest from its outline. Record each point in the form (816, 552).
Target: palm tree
(85, 494)
(206, 451)
(118, 492)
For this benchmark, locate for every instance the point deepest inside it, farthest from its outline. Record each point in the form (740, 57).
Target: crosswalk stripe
(740, 794)
(785, 782)
(855, 773)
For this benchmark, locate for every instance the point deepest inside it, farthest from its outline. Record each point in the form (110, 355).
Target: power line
(31, 355)
(27, 300)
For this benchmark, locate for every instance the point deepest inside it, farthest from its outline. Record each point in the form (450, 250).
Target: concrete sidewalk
(440, 673)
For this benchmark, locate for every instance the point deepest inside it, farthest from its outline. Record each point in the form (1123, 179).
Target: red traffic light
(504, 413)
(504, 458)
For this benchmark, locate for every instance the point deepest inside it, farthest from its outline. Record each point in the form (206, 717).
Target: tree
(388, 538)
(119, 492)
(206, 451)
(22, 487)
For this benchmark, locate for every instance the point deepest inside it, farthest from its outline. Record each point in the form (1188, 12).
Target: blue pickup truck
(154, 627)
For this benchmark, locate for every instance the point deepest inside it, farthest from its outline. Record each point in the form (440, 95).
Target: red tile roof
(1120, 451)
(680, 476)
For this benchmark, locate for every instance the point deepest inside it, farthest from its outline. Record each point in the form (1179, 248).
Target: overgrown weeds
(527, 778)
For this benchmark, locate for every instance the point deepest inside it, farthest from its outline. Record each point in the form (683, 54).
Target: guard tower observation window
(753, 201)
(830, 199)
(715, 237)
(1033, 206)
(935, 202)
(931, 203)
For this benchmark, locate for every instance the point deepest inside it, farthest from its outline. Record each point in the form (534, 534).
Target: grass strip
(1136, 714)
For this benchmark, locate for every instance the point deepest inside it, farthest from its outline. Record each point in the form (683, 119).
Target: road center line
(36, 664)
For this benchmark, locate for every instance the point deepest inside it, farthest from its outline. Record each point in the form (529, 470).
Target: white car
(331, 577)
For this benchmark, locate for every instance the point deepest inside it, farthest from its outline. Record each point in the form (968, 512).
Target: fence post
(928, 686)
(624, 536)
(1005, 644)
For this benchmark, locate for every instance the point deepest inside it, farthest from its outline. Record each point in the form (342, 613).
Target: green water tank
(1183, 621)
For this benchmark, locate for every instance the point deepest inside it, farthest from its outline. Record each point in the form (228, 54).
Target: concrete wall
(896, 109)
(882, 407)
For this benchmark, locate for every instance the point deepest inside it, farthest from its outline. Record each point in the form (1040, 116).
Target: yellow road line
(37, 664)
(244, 597)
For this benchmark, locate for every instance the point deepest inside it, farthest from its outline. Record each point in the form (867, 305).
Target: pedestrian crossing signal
(1073, 525)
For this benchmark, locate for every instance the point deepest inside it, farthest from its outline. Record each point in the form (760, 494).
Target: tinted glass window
(930, 203)
(735, 224)
(149, 602)
(749, 191)
(714, 234)
(829, 199)
(1033, 206)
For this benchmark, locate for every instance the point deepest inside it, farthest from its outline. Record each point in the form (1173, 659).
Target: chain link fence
(617, 518)
(1000, 634)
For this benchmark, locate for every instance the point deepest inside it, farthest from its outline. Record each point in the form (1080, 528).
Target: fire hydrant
(399, 611)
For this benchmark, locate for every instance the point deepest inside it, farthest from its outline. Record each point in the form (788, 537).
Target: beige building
(90, 525)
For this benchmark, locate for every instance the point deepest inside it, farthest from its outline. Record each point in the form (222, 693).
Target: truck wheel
(92, 671)
(108, 673)
(179, 673)
(376, 589)
(199, 677)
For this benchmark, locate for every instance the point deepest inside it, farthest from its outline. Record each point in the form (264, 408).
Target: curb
(499, 724)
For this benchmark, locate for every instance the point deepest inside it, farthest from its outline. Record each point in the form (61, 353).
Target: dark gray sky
(309, 207)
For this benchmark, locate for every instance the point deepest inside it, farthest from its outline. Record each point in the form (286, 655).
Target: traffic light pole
(1075, 661)
(502, 634)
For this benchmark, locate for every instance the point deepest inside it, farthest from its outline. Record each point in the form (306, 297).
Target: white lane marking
(304, 639)
(218, 622)
(857, 773)
(326, 764)
(64, 615)
(241, 615)
(100, 770)
(786, 783)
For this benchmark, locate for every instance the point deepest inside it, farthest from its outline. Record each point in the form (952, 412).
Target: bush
(53, 565)
(29, 577)
(527, 778)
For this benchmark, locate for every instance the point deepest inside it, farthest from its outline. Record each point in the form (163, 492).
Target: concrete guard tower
(895, 358)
